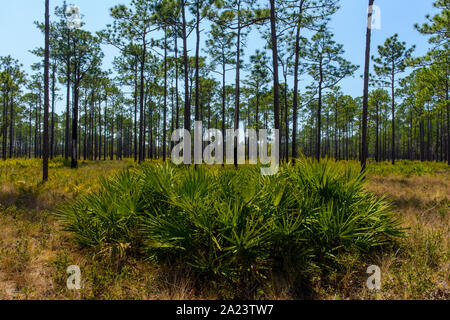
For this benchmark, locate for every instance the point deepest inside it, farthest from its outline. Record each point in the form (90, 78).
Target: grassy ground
(35, 253)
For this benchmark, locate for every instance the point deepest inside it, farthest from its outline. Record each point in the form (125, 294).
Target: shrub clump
(234, 225)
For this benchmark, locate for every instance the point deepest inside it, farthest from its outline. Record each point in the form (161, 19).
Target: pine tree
(328, 68)
(392, 60)
(46, 90)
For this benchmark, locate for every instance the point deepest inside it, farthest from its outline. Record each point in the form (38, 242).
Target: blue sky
(18, 34)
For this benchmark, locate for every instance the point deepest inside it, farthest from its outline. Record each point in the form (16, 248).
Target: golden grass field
(35, 252)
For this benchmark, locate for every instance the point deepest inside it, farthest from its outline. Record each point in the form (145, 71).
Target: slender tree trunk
(106, 128)
(327, 146)
(95, 136)
(52, 137)
(85, 148)
(99, 129)
(39, 130)
(411, 136)
(150, 130)
(275, 66)
(436, 147)
(68, 72)
(187, 106)
(238, 85)
(295, 98)
(441, 136)
(172, 115)
(364, 147)
(165, 97)
(135, 108)
(393, 115)
(422, 138)
(319, 113)
(119, 142)
(336, 143)
(197, 56)
(377, 148)
(448, 123)
(11, 126)
(429, 135)
(141, 102)
(177, 122)
(257, 109)
(74, 162)
(5, 125)
(224, 93)
(29, 131)
(147, 94)
(46, 89)
(286, 118)
(111, 150)
(35, 131)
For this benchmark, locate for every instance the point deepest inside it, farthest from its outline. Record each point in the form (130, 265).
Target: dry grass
(420, 267)
(34, 253)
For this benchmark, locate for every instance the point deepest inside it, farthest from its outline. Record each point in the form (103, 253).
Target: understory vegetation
(158, 231)
(233, 225)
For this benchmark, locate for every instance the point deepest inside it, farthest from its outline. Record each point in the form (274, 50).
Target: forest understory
(35, 251)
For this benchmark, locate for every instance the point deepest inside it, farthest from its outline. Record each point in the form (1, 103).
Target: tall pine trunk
(187, 108)
(165, 96)
(46, 89)
(52, 136)
(11, 125)
(238, 86)
(141, 101)
(377, 148)
(276, 108)
(68, 84)
(364, 147)
(393, 115)
(224, 94)
(74, 162)
(295, 98)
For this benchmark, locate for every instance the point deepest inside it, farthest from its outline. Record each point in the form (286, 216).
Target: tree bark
(46, 90)
(224, 93)
(165, 96)
(52, 137)
(448, 124)
(377, 148)
(295, 98)
(135, 109)
(238, 87)
(187, 107)
(275, 66)
(364, 147)
(11, 126)
(393, 115)
(141, 100)
(68, 84)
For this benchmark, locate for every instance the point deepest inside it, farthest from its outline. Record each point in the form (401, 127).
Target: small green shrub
(107, 219)
(233, 224)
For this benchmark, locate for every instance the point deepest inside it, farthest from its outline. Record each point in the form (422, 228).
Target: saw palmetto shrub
(233, 224)
(107, 219)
